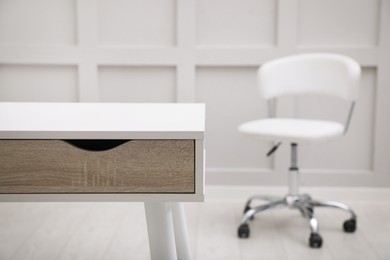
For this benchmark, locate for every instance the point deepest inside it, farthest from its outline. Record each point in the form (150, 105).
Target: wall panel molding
(382, 108)
(236, 22)
(38, 83)
(309, 178)
(206, 51)
(350, 23)
(136, 23)
(39, 22)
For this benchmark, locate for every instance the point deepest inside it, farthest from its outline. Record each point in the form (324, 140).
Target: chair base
(305, 204)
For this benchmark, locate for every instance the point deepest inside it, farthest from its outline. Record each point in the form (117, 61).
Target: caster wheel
(247, 208)
(315, 240)
(349, 225)
(243, 231)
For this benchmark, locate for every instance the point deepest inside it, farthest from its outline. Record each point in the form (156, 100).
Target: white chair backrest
(317, 73)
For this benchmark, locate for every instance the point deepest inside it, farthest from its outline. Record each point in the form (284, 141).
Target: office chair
(317, 73)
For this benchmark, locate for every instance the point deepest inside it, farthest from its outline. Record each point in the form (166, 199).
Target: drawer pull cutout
(96, 145)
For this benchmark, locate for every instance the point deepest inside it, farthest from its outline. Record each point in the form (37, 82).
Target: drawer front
(137, 166)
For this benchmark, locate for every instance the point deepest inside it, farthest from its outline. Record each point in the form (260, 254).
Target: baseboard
(241, 193)
(316, 178)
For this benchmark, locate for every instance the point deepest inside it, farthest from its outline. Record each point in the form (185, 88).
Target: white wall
(208, 51)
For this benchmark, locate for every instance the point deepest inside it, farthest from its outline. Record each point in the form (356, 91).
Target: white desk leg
(181, 232)
(160, 230)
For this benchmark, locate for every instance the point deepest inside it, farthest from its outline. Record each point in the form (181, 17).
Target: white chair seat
(293, 130)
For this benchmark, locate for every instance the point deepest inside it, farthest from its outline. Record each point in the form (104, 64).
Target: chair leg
(349, 225)
(315, 239)
(251, 212)
(260, 197)
(333, 204)
(243, 229)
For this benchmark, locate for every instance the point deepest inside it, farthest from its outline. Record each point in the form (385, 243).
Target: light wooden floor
(118, 231)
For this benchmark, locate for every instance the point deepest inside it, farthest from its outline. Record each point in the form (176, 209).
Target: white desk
(152, 153)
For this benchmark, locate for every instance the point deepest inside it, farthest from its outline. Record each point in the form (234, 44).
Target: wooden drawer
(136, 166)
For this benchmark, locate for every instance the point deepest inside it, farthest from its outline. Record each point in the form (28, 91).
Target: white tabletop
(101, 121)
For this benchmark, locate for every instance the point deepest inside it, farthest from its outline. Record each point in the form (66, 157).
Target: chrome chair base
(305, 204)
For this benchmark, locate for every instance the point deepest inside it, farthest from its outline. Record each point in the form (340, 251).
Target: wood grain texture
(138, 166)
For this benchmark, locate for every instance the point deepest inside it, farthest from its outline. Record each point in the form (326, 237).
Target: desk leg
(181, 232)
(160, 230)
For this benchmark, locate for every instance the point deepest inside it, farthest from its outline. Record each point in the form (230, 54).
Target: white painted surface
(101, 121)
(132, 84)
(352, 23)
(197, 197)
(218, 24)
(208, 51)
(27, 83)
(180, 228)
(160, 231)
(38, 22)
(134, 22)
